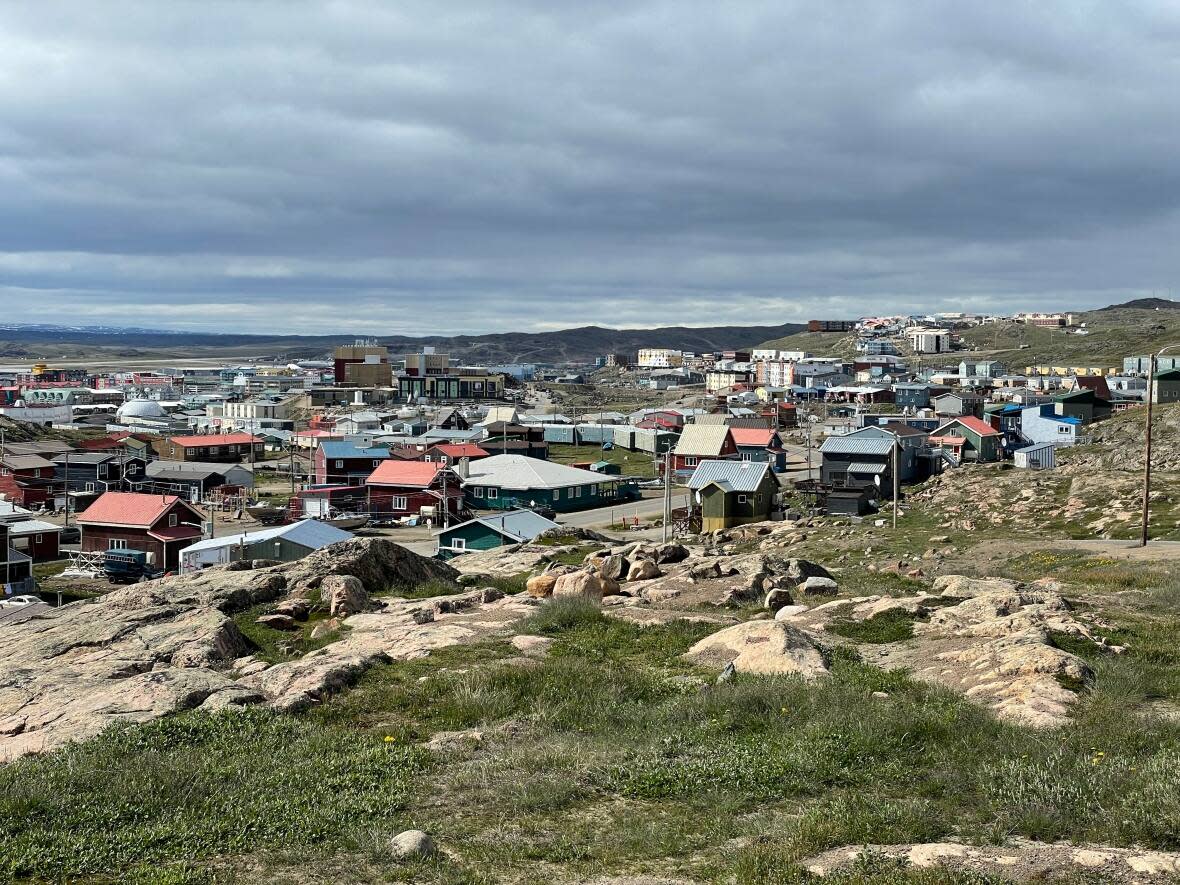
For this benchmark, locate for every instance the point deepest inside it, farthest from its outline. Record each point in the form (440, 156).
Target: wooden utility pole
(896, 491)
(667, 492)
(1147, 451)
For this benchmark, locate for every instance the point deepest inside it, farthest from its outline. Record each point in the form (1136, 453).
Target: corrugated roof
(127, 508)
(752, 436)
(865, 467)
(970, 422)
(518, 525)
(737, 476)
(26, 462)
(523, 472)
(702, 439)
(414, 474)
(307, 532)
(348, 450)
(214, 439)
(857, 445)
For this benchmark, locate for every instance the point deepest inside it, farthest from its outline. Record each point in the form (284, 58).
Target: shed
(285, 543)
(733, 492)
(490, 532)
(1041, 456)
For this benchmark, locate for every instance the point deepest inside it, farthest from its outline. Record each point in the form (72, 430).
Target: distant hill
(566, 345)
(1145, 304)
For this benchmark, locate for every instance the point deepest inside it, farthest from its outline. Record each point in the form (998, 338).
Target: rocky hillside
(580, 710)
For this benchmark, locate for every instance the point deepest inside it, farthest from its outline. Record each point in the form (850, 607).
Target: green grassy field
(614, 755)
(633, 463)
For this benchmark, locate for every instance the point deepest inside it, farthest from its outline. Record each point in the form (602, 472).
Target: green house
(733, 492)
(969, 439)
(1167, 386)
(514, 482)
(490, 532)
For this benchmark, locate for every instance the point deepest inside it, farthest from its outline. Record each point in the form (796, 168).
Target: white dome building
(140, 408)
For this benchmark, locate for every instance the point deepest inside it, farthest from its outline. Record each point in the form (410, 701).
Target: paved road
(604, 516)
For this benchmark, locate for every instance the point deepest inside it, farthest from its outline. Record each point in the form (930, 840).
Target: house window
(399, 502)
(742, 499)
(339, 463)
(746, 456)
(188, 453)
(690, 462)
(116, 544)
(90, 487)
(1063, 429)
(172, 520)
(213, 450)
(478, 491)
(493, 493)
(578, 492)
(376, 463)
(458, 544)
(37, 539)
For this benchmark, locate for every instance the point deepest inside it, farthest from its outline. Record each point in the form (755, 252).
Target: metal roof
(702, 439)
(311, 533)
(348, 450)
(523, 472)
(733, 476)
(518, 525)
(857, 445)
(865, 467)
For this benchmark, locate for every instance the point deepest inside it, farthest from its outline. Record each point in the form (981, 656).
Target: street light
(1151, 372)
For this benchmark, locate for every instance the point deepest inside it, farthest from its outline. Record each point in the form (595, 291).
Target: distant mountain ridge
(1145, 304)
(565, 345)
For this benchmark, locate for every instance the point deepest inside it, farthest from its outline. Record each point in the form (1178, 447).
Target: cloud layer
(463, 167)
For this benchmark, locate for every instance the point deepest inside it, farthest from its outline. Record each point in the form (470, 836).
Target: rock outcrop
(766, 647)
(150, 649)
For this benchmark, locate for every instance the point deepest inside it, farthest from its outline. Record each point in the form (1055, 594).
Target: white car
(18, 601)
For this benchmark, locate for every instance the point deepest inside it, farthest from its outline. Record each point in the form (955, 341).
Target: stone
(532, 646)
(765, 647)
(787, 612)
(277, 622)
(422, 615)
(469, 580)
(670, 554)
(643, 570)
(298, 609)
(579, 584)
(541, 586)
(799, 570)
(455, 741)
(320, 630)
(412, 845)
(490, 594)
(344, 595)
(818, 586)
(614, 567)
(777, 598)
(610, 587)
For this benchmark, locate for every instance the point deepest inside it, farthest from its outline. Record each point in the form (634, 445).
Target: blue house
(1040, 424)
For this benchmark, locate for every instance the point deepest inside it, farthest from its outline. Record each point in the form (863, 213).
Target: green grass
(276, 646)
(638, 464)
(613, 754)
(894, 625)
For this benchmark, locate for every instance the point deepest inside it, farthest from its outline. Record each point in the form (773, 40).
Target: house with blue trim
(1041, 424)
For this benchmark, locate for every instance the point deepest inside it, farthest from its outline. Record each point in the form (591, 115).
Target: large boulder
(669, 554)
(799, 570)
(541, 586)
(777, 598)
(766, 647)
(377, 563)
(643, 570)
(585, 585)
(614, 567)
(818, 586)
(344, 595)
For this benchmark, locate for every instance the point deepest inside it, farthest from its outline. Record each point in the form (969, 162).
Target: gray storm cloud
(456, 167)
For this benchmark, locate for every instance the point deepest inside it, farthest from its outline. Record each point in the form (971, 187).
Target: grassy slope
(633, 463)
(612, 755)
(816, 343)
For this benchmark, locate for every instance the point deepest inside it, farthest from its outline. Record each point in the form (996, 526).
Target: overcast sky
(465, 167)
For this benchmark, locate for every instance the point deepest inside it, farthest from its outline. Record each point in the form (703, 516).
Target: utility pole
(896, 451)
(1147, 450)
(667, 491)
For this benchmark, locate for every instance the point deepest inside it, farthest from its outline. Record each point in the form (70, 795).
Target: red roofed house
(403, 488)
(225, 448)
(452, 453)
(760, 444)
(969, 439)
(161, 525)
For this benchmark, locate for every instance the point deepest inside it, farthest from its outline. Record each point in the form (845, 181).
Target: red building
(452, 453)
(161, 525)
(403, 488)
(702, 442)
(216, 447)
(26, 480)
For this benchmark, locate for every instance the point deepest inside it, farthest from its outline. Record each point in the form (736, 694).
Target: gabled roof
(412, 474)
(130, 509)
(731, 476)
(515, 525)
(702, 439)
(752, 436)
(523, 472)
(311, 533)
(970, 422)
(899, 429)
(460, 450)
(26, 462)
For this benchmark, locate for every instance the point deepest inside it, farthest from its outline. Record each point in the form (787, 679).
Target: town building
(286, 543)
(969, 439)
(731, 493)
(159, 525)
(217, 447)
(700, 442)
(512, 482)
(491, 532)
(363, 364)
(399, 488)
(659, 358)
(924, 340)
